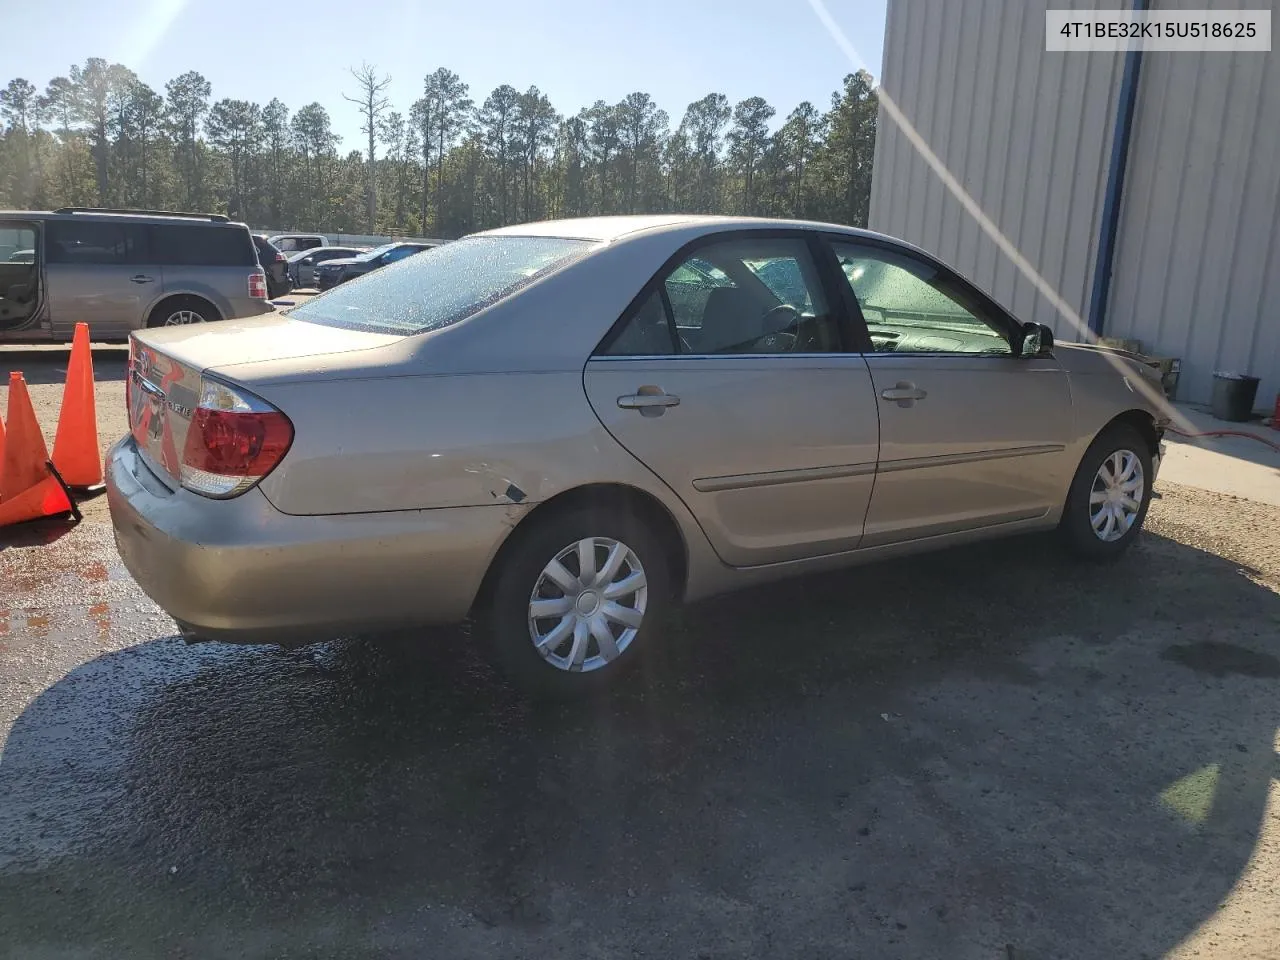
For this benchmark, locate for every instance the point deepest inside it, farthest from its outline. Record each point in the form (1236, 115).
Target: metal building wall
(1197, 265)
(1196, 271)
(1026, 132)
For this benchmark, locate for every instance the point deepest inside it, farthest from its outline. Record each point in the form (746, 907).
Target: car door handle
(140, 278)
(903, 393)
(650, 401)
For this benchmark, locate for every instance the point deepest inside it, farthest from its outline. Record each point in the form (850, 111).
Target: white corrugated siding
(1197, 265)
(1196, 272)
(1027, 133)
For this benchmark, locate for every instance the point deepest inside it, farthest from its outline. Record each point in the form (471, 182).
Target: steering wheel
(780, 341)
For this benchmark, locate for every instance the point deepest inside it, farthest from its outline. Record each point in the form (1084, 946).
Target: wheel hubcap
(588, 604)
(180, 317)
(1116, 495)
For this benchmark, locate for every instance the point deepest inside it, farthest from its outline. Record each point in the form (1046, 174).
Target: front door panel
(972, 441)
(774, 455)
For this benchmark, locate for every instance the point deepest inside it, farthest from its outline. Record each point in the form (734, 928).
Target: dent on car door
(743, 403)
(970, 434)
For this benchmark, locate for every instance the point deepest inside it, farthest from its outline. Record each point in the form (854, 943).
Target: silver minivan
(122, 270)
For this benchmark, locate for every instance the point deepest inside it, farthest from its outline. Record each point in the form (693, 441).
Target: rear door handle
(904, 393)
(650, 401)
(140, 278)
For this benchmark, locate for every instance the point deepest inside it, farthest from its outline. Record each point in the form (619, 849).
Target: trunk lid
(166, 367)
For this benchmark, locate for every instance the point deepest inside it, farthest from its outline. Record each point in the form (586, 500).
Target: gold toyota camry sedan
(560, 429)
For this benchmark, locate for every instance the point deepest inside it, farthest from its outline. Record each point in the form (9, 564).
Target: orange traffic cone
(30, 487)
(75, 446)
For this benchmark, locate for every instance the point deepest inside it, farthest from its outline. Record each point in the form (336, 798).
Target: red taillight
(235, 439)
(258, 285)
(128, 381)
(280, 257)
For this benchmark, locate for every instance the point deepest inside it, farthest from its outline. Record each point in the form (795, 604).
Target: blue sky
(576, 51)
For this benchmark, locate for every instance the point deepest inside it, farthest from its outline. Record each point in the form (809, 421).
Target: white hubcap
(180, 317)
(1116, 495)
(588, 604)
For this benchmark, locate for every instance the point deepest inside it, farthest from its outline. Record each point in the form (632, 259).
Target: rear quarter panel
(418, 442)
(422, 442)
(227, 288)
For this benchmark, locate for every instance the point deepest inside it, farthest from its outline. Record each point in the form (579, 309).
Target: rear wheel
(575, 602)
(180, 311)
(1110, 494)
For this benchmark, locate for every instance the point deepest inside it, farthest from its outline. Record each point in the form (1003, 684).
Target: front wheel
(576, 601)
(1109, 495)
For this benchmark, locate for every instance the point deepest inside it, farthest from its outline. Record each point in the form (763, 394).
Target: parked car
(122, 270)
(303, 263)
(293, 242)
(22, 256)
(340, 271)
(527, 427)
(276, 265)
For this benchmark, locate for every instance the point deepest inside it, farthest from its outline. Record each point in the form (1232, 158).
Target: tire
(164, 312)
(504, 620)
(1121, 447)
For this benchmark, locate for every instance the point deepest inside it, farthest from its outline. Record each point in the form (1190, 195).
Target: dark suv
(276, 265)
(119, 270)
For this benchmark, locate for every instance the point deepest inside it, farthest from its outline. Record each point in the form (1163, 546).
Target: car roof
(607, 229)
(195, 220)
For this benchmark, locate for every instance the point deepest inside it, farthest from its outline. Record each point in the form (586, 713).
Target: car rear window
(202, 246)
(440, 286)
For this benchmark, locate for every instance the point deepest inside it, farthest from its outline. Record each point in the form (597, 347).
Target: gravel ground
(988, 753)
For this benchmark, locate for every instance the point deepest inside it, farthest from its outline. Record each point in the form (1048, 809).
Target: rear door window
(688, 288)
(201, 246)
(94, 241)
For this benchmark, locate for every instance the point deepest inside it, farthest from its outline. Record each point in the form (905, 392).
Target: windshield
(377, 251)
(440, 286)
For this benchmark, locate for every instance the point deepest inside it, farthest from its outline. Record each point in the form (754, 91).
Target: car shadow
(987, 752)
(49, 364)
(37, 533)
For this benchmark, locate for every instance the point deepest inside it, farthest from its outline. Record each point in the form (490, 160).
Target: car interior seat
(731, 320)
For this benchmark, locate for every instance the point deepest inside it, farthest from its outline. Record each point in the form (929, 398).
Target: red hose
(1226, 433)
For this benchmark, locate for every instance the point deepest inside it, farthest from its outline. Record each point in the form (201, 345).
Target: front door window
(911, 307)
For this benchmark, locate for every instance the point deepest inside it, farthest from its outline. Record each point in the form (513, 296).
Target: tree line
(447, 165)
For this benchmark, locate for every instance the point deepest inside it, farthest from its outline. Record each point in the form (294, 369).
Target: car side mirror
(1037, 340)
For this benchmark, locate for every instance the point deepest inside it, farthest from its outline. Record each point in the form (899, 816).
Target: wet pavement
(989, 753)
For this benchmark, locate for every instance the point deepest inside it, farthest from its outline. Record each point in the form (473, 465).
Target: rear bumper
(240, 570)
(246, 307)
